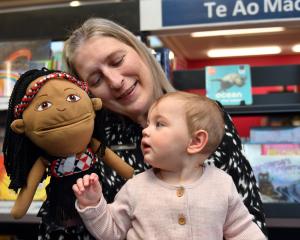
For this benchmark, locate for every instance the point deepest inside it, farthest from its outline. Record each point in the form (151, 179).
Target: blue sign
(186, 12)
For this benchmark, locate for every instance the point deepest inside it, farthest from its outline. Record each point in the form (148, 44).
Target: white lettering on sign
(242, 8)
(220, 10)
(279, 5)
(251, 8)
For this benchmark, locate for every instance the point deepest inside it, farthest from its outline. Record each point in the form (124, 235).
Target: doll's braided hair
(19, 152)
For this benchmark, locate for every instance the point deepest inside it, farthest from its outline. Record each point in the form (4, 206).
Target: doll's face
(60, 118)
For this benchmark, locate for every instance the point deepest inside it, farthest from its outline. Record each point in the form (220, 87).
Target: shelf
(283, 222)
(271, 103)
(30, 217)
(263, 109)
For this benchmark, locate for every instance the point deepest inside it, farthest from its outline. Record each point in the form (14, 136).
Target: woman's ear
(18, 126)
(97, 103)
(198, 141)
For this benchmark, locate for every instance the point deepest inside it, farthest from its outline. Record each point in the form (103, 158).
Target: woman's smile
(126, 95)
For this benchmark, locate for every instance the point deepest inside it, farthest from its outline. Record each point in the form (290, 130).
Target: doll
(49, 130)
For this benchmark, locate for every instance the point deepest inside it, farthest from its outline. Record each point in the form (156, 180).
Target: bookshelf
(30, 217)
(285, 101)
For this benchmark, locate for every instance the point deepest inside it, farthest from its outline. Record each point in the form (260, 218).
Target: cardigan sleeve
(238, 224)
(108, 221)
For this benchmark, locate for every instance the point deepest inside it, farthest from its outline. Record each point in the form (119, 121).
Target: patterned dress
(124, 137)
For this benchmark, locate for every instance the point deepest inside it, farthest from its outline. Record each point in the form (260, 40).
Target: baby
(180, 197)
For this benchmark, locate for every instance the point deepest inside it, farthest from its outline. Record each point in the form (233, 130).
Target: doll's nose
(60, 109)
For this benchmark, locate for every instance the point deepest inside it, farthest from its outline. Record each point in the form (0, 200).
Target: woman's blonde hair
(94, 27)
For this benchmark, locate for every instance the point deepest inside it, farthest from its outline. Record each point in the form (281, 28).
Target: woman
(123, 73)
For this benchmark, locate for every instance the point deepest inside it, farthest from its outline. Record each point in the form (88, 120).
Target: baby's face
(166, 137)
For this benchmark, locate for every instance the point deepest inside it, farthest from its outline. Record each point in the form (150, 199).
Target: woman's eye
(118, 62)
(43, 106)
(73, 98)
(94, 83)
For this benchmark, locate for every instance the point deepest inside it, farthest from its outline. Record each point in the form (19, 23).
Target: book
(162, 55)
(286, 149)
(263, 135)
(229, 84)
(9, 194)
(278, 176)
(14, 60)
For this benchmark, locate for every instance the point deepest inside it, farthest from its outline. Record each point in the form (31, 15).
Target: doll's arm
(26, 194)
(114, 161)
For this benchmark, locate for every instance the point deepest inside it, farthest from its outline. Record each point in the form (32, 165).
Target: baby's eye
(159, 124)
(43, 106)
(73, 98)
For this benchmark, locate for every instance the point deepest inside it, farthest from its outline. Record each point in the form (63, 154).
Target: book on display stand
(229, 84)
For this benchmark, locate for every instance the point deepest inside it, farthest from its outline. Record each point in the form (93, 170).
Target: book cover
(278, 176)
(275, 135)
(162, 55)
(286, 149)
(14, 60)
(9, 194)
(230, 84)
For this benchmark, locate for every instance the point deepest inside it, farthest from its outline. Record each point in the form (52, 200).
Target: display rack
(271, 103)
(30, 217)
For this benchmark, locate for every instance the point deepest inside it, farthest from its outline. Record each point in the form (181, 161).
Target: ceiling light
(296, 48)
(237, 31)
(250, 51)
(75, 3)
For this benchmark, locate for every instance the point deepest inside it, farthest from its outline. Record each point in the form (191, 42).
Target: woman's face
(116, 74)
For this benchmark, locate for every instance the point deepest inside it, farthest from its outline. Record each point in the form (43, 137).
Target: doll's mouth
(87, 117)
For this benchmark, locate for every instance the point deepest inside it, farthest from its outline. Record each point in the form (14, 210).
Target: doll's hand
(88, 190)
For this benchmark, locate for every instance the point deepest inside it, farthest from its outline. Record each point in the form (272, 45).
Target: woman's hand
(88, 191)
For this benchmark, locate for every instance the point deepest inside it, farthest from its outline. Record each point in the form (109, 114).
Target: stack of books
(274, 154)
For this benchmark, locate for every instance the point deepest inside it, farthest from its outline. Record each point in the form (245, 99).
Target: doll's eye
(44, 105)
(73, 98)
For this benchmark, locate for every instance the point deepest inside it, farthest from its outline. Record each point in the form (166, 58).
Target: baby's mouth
(128, 91)
(145, 146)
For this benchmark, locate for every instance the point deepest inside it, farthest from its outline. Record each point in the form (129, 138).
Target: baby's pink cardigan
(149, 209)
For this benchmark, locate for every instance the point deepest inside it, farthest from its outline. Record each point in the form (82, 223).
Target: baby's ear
(97, 103)
(18, 126)
(198, 142)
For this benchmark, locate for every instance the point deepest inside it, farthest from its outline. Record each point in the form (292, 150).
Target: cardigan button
(181, 220)
(180, 192)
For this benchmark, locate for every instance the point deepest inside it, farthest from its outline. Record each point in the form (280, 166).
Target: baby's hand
(87, 190)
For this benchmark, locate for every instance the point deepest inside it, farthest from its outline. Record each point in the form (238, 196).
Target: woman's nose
(114, 79)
